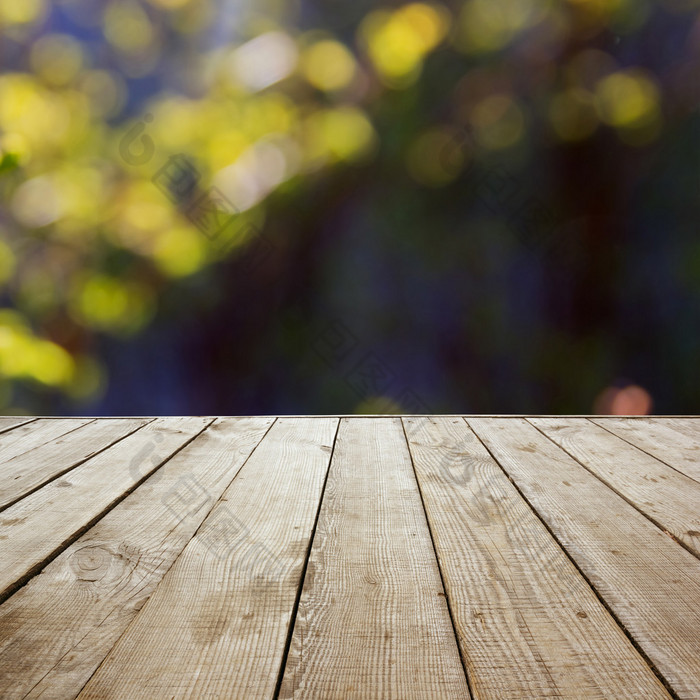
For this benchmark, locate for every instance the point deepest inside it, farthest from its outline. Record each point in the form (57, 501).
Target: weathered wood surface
(373, 612)
(30, 436)
(31, 469)
(673, 441)
(6, 423)
(39, 526)
(218, 623)
(537, 629)
(649, 582)
(354, 557)
(670, 499)
(83, 601)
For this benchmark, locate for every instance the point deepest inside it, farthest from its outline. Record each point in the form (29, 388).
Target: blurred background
(318, 206)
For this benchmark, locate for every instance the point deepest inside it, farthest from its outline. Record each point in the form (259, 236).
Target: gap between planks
(659, 492)
(538, 629)
(683, 458)
(313, 532)
(26, 549)
(235, 590)
(10, 422)
(41, 464)
(75, 615)
(656, 612)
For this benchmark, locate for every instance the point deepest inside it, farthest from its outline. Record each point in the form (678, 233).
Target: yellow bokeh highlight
(43, 117)
(498, 122)
(25, 356)
(127, 27)
(344, 133)
(52, 364)
(56, 58)
(146, 216)
(489, 25)
(179, 252)
(109, 304)
(82, 192)
(105, 92)
(573, 115)
(628, 99)
(169, 4)
(21, 11)
(603, 5)
(621, 16)
(397, 42)
(77, 106)
(266, 114)
(224, 147)
(17, 145)
(20, 100)
(378, 405)
(7, 262)
(140, 214)
(175, 123)
(328, 65)
(190, 16)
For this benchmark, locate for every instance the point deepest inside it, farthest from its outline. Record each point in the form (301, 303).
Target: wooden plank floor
(350, 557)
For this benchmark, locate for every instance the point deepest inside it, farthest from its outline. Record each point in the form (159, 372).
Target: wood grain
(666, 496)
(537, 629)
(667, 440)
(30, 470)
(26, 437)
(9, 422)
(373, 621)
(688, 425)
(650, 582)
(217, 625)
(37, 528)
(56, 630)
(182, 561)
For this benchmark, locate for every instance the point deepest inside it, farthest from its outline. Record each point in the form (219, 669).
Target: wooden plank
(56, 630)
(373, 621)
(668, 497)
(528, 623)
(29, 436)
(217, 625)
(660, 439)
(650, 582)
(30, 470)
(688, 425)
(37, 528)
(9, 422)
